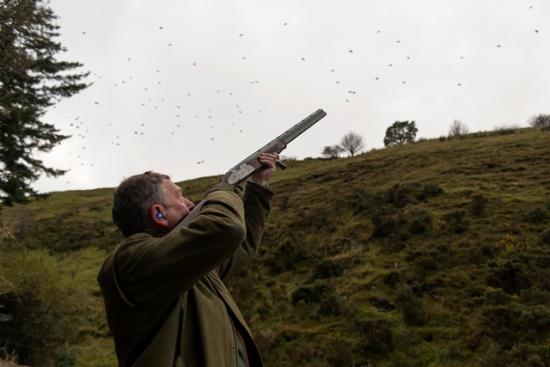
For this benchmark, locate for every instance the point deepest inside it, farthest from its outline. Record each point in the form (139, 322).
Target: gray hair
(133, 199)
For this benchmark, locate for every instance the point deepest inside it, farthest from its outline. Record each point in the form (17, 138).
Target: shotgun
(251, 164)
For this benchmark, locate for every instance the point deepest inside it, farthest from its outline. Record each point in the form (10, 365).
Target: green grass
(449, 260)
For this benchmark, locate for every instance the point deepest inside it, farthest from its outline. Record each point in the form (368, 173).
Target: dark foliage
(478, 204)
(545, 237)
(330, 304)
(338, 354)
(376, 336)
(513, 323)
(400, 132)
(418, 221)
(456, 221)
(537, 214)
(382, 304)
(31, 80)
(327, 269)
(511, 275)
(402, 194)
(411, 307)
(383, 209)
(392, 279)
(285, 256)
(535, 296)
(312, 293)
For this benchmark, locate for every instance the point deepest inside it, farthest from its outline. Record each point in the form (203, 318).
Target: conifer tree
(31, 80)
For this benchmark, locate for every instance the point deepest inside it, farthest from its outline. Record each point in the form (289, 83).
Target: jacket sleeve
(257, 205)
(153, 270)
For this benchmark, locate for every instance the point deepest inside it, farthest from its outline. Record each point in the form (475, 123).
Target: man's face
(176, 205)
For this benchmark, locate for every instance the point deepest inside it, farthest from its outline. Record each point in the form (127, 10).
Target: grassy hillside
(429, 254)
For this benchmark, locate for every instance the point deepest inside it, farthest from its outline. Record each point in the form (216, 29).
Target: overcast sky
(189, 88)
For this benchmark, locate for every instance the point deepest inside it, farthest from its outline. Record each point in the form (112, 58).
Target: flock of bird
(81, 130)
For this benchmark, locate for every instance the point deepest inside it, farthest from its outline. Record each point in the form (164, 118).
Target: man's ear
(157, 215)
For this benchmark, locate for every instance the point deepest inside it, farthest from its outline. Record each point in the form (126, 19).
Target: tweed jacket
(165, 299)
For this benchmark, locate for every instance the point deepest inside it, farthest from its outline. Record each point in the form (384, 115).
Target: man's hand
(262, 176)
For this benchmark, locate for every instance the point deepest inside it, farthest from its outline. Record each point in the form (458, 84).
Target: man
(165, 300)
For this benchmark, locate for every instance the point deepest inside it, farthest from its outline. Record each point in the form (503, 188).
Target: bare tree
(352, 142)
(332, 151)
(458, 128)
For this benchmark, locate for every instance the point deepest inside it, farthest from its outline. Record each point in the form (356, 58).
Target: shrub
(477, 204)
(545, 237)
(384, 224)
(391, 279)
(419, 221)
(375, 205)
(510, 275)
(363, 201)
(285, 256)
(338, 354)
(411, 307)
(535, 296)
(537, 214)
(65, 358)
(529, 355)
(381, 303)
(327, 269)
(46, 303)
(402, 194)
(376, 336)
(312, 293)
(456, 221)
(321, 293)
(513, 323)
(330, 304)
(430, 190)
